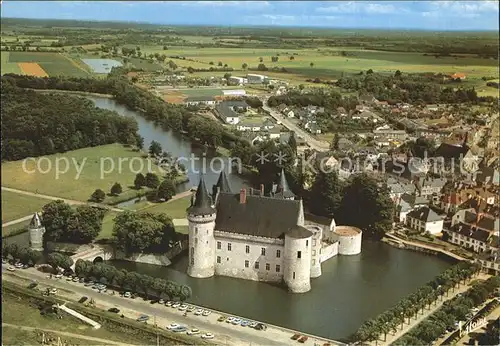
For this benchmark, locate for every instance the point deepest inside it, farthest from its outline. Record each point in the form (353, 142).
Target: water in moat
(351, 289)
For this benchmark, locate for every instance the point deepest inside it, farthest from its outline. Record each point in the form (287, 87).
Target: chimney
(261, 190)
(243, 196)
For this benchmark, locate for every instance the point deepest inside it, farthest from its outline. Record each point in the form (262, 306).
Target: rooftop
(347, 230)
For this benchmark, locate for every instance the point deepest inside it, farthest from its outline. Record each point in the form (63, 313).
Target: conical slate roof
(36, 221)
(202, 203)
(283, 188)
(223, 183)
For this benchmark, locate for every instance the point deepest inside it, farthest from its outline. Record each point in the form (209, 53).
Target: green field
(54, 64)
(144, 64)
(15, 206)
(67, 185)
(9, 67)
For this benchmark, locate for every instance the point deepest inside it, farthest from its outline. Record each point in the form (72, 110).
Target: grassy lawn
(176, 209)
(95, 162)
(107, 225)
(7, 66)
(14, 336)
(15, 227)
(327, 137)
(25, 313)
(15, 206)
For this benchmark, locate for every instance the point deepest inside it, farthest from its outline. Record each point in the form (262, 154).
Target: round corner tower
(36, 231)
(201, 220)
(297, 259)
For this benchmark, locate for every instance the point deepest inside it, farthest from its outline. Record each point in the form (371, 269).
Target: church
(262, 237)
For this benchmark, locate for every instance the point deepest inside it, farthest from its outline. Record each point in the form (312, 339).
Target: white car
(53, 291)
(198, 312)
(127, 295)
(173, 326)
(206, 312)
(18, 265)
(176, 305)
(58, 276)
(208, 336)
(169, 303)
(236, 321)
(230, 319)
(161, 301)
(193, 331)
(183, 307)
(11, 268)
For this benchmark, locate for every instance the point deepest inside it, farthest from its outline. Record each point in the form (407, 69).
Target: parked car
(26, 266)
(191, 309)
(82, 280)
(176, 305)
(244, 323)
(303, 339)
(193, 331)
(173, 326)
(180, 329)
(83, 299)
(87, 284)
(142, 318)
(32, 285)
(183, 307)
(69, 278)
(206, 312)
(18, 265)
(153, 301)
(11, 268)
(127, 294)
(76, 279)
(261, 326)
(208, 336)
(236, 321)
(53, 291)
(221, 319)
(296, 336)
(253, 324)
(198, 312)
(58, 276)
(169, 303)
(161, 301)
(114, 310)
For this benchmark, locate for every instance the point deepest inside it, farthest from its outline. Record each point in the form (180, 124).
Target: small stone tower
(283, 190)
(36, 231)
(201, 219)
(222, 185)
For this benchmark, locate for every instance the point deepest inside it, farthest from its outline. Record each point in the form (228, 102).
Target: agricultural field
(40, 64)
(15, 205)
(145, 65)
(68, 185)
(202, 92)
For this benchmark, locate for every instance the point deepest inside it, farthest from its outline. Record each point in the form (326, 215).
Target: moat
(350, 290)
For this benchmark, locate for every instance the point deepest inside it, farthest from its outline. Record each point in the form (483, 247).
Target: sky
(423, 15)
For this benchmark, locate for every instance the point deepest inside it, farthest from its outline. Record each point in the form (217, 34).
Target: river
(351, 289)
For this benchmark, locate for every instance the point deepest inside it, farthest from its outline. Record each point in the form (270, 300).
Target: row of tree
(169, 116)
(23, 254)
(417, 303)
(451, 311)
(35, 124)
(58, 260)
(131, 281)
(65, 224)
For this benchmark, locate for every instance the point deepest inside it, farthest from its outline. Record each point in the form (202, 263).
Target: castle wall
(161, 260)
(255, 264)
(201, 246)
(328, 251)
(297, 264)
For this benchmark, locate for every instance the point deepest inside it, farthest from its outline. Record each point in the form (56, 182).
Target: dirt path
(71, 335)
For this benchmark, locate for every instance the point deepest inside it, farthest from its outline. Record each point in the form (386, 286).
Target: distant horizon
(449, 16)
(249, 26)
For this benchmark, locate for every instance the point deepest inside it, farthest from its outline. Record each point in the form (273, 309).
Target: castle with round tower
(263, 237)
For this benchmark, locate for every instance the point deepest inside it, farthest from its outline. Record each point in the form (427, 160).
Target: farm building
(233, 80)
(200, 100)
(231, 112)
(256, 78)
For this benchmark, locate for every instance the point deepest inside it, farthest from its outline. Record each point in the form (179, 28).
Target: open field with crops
(36, 63)
(92, 162)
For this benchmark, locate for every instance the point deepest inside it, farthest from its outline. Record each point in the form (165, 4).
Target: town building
(407, 203)
(257, 78)
(200, 100)
(231, 112)
(425, 219)
(263, 237)
(233, 80)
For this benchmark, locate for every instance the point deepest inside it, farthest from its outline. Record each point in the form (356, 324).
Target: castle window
(307, 242)
(314, 262)
(192, 251)
(247, 249)
(192, 260)
(277, 268)
(278, 253)
(263, 251)
(294, 275)
(256, 265)
(268, 266)
(314, 253)
(314, 242)
(218, 259)
(299, 254)
(195, 241)
(196, 230)
(228, 246)
(219, 245)
(247, 264)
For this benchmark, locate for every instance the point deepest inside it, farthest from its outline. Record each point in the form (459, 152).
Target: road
(70, 335)
(310, 140)
(225, 333)
(177, 222)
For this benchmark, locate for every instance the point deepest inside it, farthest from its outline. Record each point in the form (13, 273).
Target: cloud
(361, 7)
(464, 9)
(299, 20)
(241, 4)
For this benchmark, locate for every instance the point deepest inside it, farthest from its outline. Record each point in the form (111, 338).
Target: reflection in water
(351, 290)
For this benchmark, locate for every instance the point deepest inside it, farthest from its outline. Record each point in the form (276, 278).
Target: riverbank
(224, 333)
(72, 92)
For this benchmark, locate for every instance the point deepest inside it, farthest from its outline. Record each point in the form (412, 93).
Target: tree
(370, 71)
(185, 292)
(55, 217)
(227, 76)
(143, 232)
(292, 58)
(166, 190)
(261, 59)
(98, 196)
(301, 87)
(244, 66)
(54, 260)
(155, 149)
(311, 64)
(335, 142)
(211, 63)
(262, 67)
(367, 206)
(219, 63)
(397, 74)
(165, 48)
(84, 224)
(116, 189)
(190, 69)
(292, 142)
(139, 181)
(151, 180)
(13, 250)
(326, 194)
